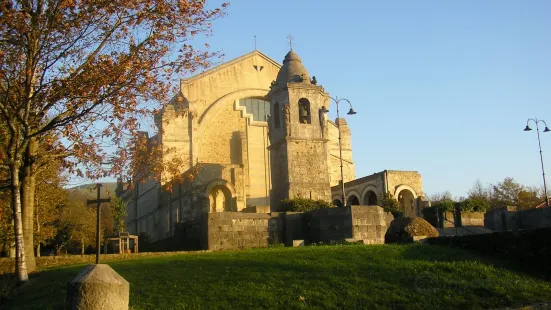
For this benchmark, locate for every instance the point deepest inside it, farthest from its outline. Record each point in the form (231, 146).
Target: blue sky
(440, 87)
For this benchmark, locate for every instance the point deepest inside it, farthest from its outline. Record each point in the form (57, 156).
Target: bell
(303, 112)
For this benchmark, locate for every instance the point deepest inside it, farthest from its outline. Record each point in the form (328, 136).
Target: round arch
(352, 200)
(370, 199)
(221, 195)
(213, 108)
(354, 193)
(211, 111)
(366, 190)
(401, 187)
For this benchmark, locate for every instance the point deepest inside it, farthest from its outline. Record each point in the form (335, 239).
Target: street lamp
(350, 112)
(537, 121)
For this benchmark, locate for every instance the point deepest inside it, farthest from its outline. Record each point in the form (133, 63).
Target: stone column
(98, 287)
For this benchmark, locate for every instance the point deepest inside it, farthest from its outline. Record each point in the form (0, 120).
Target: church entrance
(407, 202)
(220, 199)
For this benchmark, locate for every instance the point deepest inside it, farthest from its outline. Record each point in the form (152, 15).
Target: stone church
(256, 132)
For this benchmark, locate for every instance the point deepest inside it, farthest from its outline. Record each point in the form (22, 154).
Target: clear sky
(440, 87)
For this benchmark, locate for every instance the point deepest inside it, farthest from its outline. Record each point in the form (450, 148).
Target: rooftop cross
(291, 38)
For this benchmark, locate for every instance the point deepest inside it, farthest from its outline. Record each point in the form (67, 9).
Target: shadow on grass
(451, 254)
(387, 276)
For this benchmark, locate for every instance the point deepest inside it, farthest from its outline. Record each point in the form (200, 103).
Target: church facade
(255, 132)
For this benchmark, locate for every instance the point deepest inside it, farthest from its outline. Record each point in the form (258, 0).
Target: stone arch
(337, 202)
(212, 112)
(221, 195)
(407, 199)
(366, 190)
(401, 187)
(370, 198)
(304, 113)
(213, 108)
(352, 200)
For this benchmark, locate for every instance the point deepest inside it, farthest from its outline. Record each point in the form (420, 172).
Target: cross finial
(255, 42)
(291, 38)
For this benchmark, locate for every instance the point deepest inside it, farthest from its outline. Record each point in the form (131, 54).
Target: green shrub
(390, 204)
(473, 205)
(445, 205)
(304, 205)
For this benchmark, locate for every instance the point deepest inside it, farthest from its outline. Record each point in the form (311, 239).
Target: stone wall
(505, 219)
(363, 223)
(234, 230)
(237, 230)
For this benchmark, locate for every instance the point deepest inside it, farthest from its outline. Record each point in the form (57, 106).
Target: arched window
(304, 111)
(257, 107)
(276, 115)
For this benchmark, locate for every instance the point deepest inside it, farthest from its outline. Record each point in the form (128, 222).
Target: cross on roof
(291, 38)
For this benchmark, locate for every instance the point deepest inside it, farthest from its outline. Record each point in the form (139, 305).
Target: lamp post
(537, 121)
(351, 112)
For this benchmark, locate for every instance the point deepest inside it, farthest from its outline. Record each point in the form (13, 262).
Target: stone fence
(448, 219)
(236, 230)
(505, 219)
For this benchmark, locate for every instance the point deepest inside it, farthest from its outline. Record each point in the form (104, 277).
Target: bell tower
(298, 135)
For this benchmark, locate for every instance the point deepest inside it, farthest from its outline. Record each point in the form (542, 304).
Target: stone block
(98, 287)
(297, 243)
(420, 239)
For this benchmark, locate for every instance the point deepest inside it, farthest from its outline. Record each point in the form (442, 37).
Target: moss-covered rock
(402, 230)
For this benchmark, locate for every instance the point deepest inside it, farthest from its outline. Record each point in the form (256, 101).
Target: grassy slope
(414, 276)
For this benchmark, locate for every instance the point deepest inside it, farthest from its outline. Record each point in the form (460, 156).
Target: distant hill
(88, 191)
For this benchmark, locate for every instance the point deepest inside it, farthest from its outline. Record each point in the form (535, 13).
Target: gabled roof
(542, 205)
(230, 63)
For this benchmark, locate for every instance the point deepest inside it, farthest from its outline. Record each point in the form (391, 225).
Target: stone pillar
(98, 287)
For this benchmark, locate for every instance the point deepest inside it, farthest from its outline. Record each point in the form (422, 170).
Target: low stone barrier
(530, 249)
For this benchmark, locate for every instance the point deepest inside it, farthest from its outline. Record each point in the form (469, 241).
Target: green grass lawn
(383, 276)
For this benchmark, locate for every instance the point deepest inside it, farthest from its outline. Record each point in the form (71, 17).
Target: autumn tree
(118, 207)
(76, 226)
(50, 197)
(88, 71)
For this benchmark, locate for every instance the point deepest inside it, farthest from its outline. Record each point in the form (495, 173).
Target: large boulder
(405, 229)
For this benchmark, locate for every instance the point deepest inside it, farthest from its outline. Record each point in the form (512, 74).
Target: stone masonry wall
(363, 223)
(505, 219)
(234, 230)
(370, 223)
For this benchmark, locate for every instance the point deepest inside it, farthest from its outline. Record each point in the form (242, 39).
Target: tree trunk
(81, 247)
(11, 245)
(37, 231)
(28, 188)
(20, 259)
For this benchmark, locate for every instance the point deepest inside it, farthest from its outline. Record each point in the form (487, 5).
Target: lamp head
(351, 112)
(546, 129)
(527, 128)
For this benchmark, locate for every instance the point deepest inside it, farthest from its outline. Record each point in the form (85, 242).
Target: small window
(304, 111)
